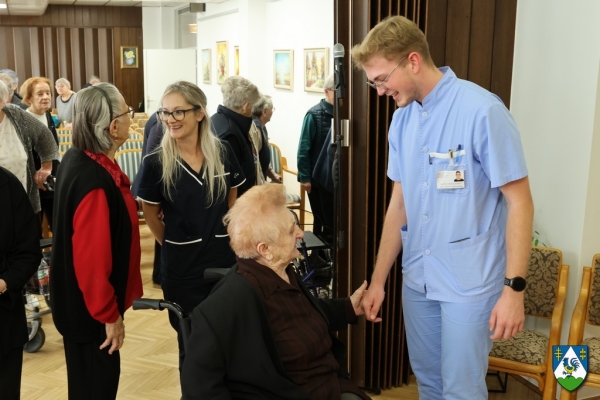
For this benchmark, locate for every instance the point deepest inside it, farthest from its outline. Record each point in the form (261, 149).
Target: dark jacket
(78, 176)
(317, 122)
(20, 257)
(232, 352)
(264, 154)
(235, 128)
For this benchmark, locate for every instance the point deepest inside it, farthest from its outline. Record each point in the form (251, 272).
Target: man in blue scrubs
(456, 298)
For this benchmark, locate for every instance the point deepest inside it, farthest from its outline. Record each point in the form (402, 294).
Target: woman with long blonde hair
(192, 178)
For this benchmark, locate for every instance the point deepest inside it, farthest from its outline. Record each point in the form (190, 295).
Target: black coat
(231, 352)
(20, 257)
(235, 129)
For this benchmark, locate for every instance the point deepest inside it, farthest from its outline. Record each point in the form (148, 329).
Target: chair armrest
(559, 306)
(579, 313)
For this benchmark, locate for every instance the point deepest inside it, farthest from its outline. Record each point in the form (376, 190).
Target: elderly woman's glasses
(376, 85)
(129, 111)
(177, 115)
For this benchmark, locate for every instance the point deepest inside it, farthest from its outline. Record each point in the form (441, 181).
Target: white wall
(158, 25)
(555, 101)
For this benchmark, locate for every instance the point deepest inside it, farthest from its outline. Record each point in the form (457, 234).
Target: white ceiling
(38, 7)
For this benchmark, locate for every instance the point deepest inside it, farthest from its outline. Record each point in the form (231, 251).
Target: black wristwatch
(517, 283)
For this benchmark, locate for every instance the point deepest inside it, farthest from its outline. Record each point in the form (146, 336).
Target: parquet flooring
(149, 357)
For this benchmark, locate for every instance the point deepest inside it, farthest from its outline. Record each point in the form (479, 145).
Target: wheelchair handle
(156, 304)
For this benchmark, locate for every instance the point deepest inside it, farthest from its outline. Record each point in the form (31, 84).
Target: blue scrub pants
(448, 345)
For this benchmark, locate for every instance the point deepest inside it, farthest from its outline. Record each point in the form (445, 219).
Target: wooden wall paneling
(77, 54)
(4, 49)
(504, 43)
(22, 53)
(105, 53)
(50, 57)
(435, 29)
(91, 50)
(458, 33)
(118, 41)
(38, 65)
(482, 42)
(86, 14)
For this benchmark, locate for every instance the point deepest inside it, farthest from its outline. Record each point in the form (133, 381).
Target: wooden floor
(149, 356)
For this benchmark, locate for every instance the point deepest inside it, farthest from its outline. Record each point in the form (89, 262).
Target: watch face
(518, 284)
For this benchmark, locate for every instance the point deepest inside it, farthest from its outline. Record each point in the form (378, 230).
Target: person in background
(192, 179)
(16, 98)
(21, 135)
(37, 94)
(64, 101)
(261, 114)
(261, 334)
(93, 80)
(20, 257)
(232, 122)
(95, 274)
(455, 297)
(153, 134)
(317, 122)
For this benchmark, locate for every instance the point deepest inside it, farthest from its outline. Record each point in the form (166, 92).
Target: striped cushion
(275, 160)
(129, 161)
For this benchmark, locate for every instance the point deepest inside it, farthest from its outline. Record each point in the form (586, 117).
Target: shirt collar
(442, 87)
(111, 166)
(268, 280)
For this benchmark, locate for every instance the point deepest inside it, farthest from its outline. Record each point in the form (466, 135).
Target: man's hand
(371, 302)
(115, 335)
(508, 315)
(306, 186)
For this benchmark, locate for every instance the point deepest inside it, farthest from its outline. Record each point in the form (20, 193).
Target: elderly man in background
(232, 122)
(314, 131)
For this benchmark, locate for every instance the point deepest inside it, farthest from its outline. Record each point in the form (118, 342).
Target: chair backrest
(132, 143)
(542, 281)
(275, 158)
(129, 160)
(593, 308)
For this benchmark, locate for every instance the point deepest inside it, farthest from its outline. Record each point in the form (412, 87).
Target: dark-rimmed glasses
(177, 115)
(376, 85)
(129, 111)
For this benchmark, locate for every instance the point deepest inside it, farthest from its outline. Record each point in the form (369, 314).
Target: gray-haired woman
(233, 121)
(261, 114)
(64, 101)
(95, 273)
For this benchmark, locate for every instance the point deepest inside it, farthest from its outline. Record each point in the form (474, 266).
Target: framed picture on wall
(222, 62)
(129, 57)
(316, 69)
(206, 75)
(283, 69)
(236, 60)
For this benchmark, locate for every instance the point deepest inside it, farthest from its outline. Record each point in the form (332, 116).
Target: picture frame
(283, 69)
(316, 69)
(129, 57)
(236, 60)
(206, 66)
(222, 62)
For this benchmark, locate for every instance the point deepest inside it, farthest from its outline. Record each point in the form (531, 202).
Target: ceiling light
(2, 5)
(193, 28)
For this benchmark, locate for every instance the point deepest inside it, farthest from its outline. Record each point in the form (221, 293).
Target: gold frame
(135, 56)
(324, 69)
(222, 58)
(206, 63)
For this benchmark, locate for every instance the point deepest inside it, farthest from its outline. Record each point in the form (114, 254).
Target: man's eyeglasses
(129, 111)
(376, 85)
(177, 115)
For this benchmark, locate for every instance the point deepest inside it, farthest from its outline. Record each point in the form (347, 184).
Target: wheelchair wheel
(36, 342)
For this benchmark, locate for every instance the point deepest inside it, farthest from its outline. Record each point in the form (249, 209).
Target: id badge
(450, 179)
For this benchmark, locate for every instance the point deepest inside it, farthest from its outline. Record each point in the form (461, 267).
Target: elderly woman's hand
(115, 335)
(357, 297)
(42, 174)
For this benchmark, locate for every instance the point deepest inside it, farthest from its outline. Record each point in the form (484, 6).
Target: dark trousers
(188, 299)
(11, 365)
(321, 203)
(92, 374)
(156, 265)
(47, 202)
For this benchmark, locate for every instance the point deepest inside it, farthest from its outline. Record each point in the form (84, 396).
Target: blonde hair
(256, 217)
(392, 38)
(211, 147)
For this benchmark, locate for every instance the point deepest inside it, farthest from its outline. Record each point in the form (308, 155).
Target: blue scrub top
(454, 241)
(195, 237)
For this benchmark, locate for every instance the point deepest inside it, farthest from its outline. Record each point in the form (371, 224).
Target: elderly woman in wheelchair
(261, 334)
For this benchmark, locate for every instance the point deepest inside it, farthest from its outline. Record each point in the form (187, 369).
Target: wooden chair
(132, 143)
(587, 310)
(63, 147)
(294, 202)
(529, 353)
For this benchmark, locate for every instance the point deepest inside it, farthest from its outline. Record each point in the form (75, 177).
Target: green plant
(535, 239)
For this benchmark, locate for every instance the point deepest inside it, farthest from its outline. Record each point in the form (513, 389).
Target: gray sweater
(64, 109)
(33, 135)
